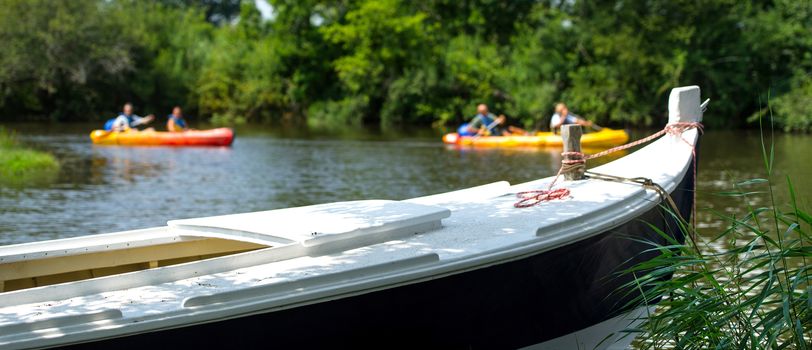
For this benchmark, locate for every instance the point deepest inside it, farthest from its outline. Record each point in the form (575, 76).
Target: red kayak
(213, 137)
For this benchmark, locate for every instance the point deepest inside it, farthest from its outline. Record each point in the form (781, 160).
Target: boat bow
(468, 258)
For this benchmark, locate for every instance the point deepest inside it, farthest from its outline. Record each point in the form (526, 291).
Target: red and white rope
(577, 159)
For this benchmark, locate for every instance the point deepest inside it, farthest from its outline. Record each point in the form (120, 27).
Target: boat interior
(193, 244)
(25, 271)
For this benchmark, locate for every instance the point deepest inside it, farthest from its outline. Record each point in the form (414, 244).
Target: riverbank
(20, 165)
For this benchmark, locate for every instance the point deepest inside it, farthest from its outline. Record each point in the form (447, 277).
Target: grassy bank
(20, 165)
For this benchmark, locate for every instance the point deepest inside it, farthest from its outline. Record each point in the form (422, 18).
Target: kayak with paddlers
(123, 130)
(485, 129)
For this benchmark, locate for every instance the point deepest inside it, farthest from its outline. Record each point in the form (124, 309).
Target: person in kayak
(126, 120)
(485, 123)
(563, 116)
(175, 121)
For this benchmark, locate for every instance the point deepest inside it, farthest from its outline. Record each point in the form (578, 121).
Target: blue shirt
(481, 120)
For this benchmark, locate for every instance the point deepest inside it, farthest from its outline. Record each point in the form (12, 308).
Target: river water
(106, 188)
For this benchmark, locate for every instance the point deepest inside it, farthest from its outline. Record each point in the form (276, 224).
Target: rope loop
(531, 198)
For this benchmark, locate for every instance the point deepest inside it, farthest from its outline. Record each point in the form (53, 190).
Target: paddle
(487, 128)
(596, 127)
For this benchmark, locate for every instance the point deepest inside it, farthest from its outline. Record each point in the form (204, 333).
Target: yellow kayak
(604, 138)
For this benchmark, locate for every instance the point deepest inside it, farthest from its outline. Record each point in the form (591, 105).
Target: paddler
(126, 120)
(485, 123)
(563, 116)
(175, 121)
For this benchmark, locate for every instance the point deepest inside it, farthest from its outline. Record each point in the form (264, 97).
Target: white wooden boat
(458, 269)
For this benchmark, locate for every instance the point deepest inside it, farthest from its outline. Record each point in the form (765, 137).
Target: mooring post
(573, 158)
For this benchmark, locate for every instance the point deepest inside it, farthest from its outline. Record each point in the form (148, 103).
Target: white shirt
(569, 119)
(123, 123)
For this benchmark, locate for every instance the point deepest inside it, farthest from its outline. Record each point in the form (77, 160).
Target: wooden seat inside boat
(286, 233)
(23, 272)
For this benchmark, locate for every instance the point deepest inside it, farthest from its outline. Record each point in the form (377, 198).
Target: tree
(381, 40)
(393, 62)
(218, 12)
(240, 79)
(169, 46)
(58, 64)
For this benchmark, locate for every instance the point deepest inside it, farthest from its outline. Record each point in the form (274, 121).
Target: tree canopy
(395, 62)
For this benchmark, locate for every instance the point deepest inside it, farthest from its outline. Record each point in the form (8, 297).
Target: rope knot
(574, 158)
(678, 128)
(572, 162)
(644, 181)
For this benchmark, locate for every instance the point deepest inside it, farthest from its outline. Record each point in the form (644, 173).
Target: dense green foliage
(21, 166)
(394, 62)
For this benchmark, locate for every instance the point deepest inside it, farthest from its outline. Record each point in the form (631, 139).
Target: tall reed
(747, 287)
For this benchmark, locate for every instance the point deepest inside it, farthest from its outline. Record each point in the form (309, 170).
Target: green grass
(746, 287)
(23, 166)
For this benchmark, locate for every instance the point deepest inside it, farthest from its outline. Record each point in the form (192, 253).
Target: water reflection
(551, 154)
(106, 189)
(730, 157)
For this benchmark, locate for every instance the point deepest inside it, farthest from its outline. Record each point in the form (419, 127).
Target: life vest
(109, 124)
(181, 122)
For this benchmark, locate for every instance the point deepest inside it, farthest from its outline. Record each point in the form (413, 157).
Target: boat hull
(604, 138)
(212, 137)
(523, 302)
